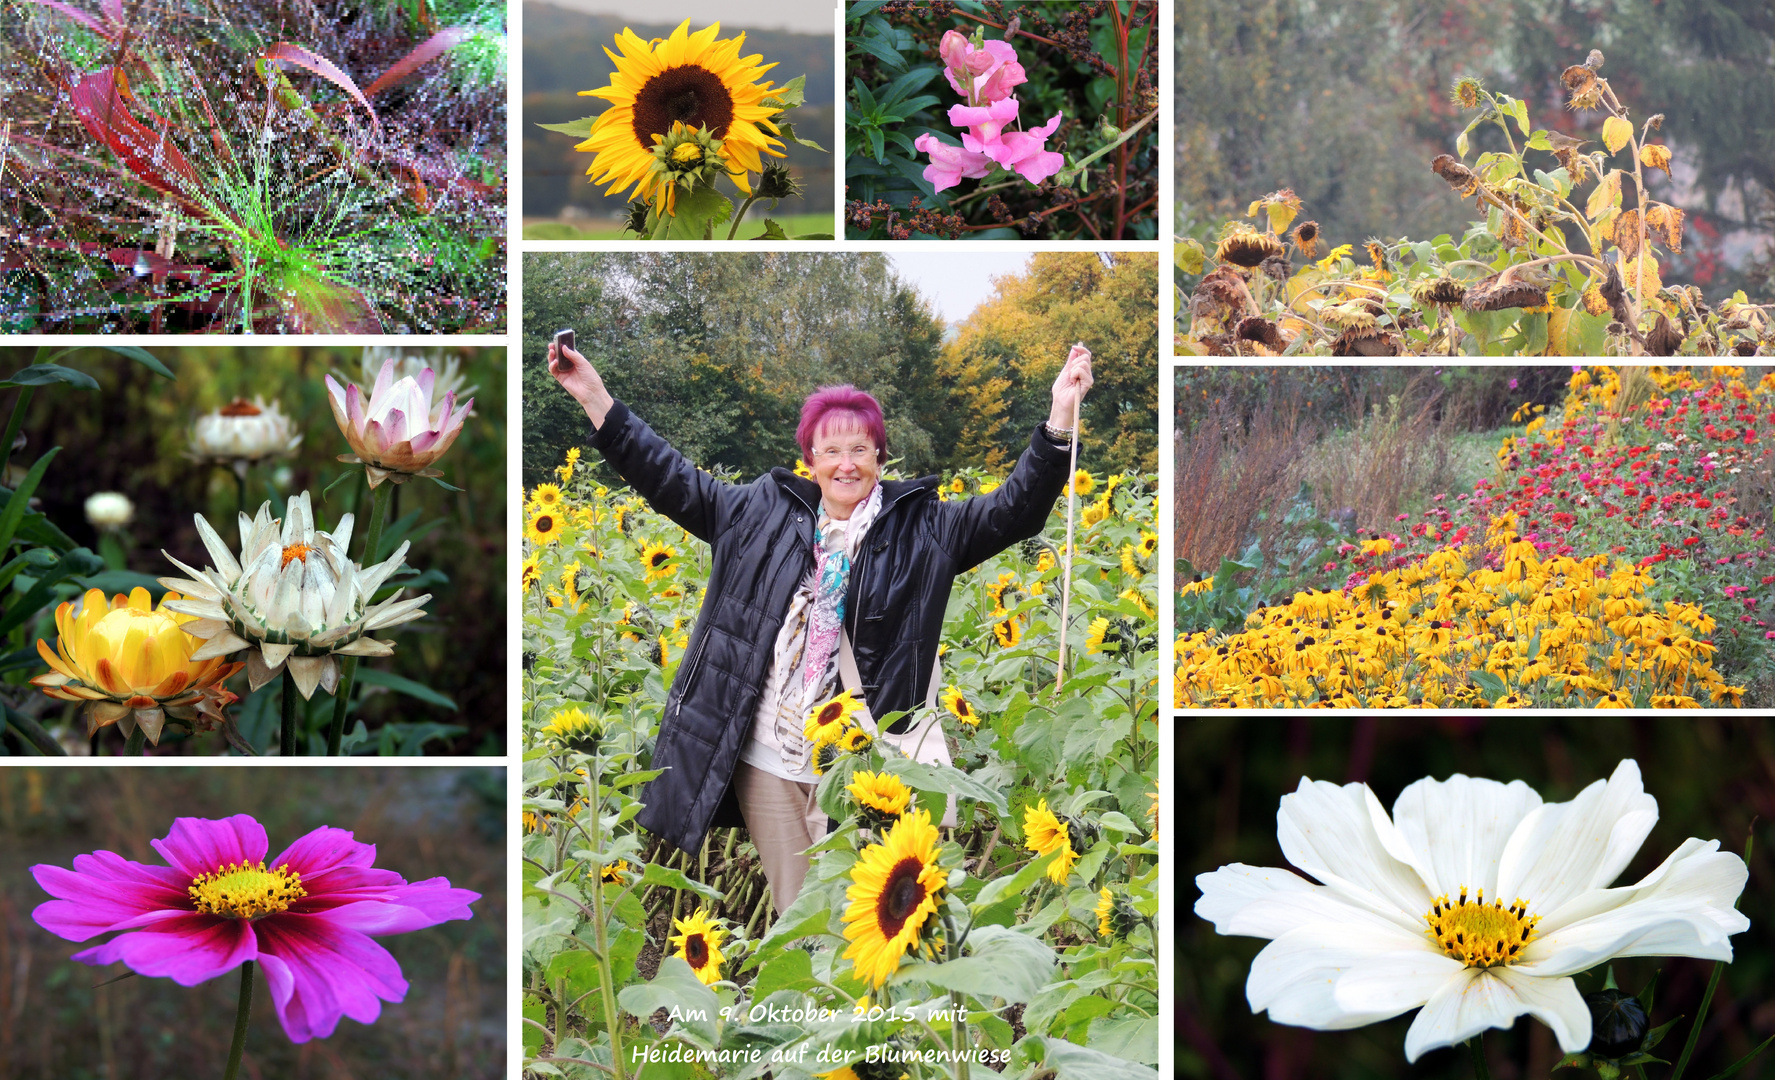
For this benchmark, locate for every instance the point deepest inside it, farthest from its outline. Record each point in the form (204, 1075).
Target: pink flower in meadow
(949, 164)
(1026, 152)
(305, 916)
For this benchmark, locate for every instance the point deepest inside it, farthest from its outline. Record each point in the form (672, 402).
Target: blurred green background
(1712, 778)
(130, 436)
(425, 823)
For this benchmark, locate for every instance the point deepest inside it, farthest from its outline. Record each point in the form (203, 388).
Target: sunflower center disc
(246, 890)
(1479, 934)
(688, 94)
(900, 897)
(696, 951)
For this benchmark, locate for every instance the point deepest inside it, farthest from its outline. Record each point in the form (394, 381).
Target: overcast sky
(801, 16)
(955, 282)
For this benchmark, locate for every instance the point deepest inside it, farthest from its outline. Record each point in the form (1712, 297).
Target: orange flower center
(240, 407)
(295, 551)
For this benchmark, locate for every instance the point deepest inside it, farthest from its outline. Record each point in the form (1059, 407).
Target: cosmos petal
(1457, 829)
(1295, 977)
(105, 892)
(320, 972)
(190, 949)
(197, 846)
(1563, 849)
(1335, 834)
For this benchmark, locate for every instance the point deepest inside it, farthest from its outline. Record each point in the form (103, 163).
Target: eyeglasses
(854, 454)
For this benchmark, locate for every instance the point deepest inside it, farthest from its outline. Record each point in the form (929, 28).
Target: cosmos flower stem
(1476, 1048)
(286, 739)
(241, 1012)
(137, 739)
(379, 499)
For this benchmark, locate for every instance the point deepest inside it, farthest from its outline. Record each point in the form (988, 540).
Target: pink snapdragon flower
(1025, 152)
(983, 75)
(305, 916)
(950, 163)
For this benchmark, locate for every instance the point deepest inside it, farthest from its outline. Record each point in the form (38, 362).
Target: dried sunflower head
(1353, 317)
(1438, 290)
(1247, 249)
(1466, 92)
(1306, 237)
(1458, 176)
(1259, 329)
(1492, 294)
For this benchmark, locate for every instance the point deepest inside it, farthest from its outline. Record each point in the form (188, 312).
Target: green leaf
(788, 131)
(655, 874)
(676, 989)
(881, 49)
(20, 500)
(1189, 255)
(876, 143)
(698, 213)
(1743, 1061)
(1071, 1061)
(1520, 111)
(1016, 884)
(815, 236)
(1004, 964)
(1134, 1038)
(793, 970)
(1461, 145)
(579, 129)
(400, 684)
(788, 95)
(1575, 332)
(44, 374)
(944, 778)
(76, 563)
(864, 97)
(1491, 685)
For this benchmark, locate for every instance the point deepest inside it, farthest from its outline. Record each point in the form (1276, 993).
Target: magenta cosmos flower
(305, 916)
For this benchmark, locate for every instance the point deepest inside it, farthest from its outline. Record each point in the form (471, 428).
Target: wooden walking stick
(1072, 502)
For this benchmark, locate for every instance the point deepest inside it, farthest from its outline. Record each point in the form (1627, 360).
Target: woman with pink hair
(839, 582)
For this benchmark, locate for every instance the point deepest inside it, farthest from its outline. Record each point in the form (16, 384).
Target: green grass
(793, 224)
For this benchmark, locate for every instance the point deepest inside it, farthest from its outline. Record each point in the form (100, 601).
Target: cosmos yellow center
(1479, 934)
(296, 552)
(246, 890)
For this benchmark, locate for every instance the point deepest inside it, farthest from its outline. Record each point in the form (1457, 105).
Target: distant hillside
(564, 54)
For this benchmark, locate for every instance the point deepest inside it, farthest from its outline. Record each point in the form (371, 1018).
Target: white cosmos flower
(1476, 901)
(293, 596)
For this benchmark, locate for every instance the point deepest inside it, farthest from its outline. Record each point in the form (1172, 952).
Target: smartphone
(563, 340)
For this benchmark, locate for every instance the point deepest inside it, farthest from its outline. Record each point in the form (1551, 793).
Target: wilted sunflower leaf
(1616, 133)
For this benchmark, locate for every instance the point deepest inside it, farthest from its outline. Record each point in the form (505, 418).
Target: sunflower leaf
(1005, 963)
(788, 95)
(677, 990)
(788, 131)
(1017, 883)
(579, 129)
(655, 874)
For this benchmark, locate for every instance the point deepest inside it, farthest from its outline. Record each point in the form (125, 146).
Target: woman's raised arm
(699, 503)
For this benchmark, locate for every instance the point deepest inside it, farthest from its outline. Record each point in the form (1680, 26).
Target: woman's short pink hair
(837, 404)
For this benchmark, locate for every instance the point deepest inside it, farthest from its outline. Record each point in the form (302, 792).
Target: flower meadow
(280, 595)
(1019, 940)
(1618, 558)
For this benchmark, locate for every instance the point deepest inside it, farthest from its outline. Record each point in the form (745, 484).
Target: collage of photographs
(819, 580)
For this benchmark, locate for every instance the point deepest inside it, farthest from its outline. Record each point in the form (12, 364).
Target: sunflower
(544, 527)
(1129, 566)
(803, 471)
(1008, 632)
(654, 558)
(1096, 512)
(1094, 638)
(854, 740)
(883, 793)
(531, 573)
(960, 707)
(698, 942)
(613, 872)
(1042, 833)
(1106, 906)
(957, 485)
(1140, 601)
(545, 497)
(826, 723)
(697, 80)
(574, 730)
(1149, 544)
(895, 889)
(1083, 483)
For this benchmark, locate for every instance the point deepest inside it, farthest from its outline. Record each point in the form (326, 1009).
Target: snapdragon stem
(132, 747)
(286, 739)
(379, 499)
(241, 1012)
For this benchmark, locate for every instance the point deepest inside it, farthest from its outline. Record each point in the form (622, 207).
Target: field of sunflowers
(1618, 558)
(1021, 941)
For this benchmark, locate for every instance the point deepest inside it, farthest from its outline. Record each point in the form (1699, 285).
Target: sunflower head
(1466, 92)
(827, 722)
(696, 82)
(854, 740)
(1306, 237)
(960, 707)
(881, 797)
(545, 527)
(896, 887)
(685, 158)
(575, 730)
(1008, 632)
(1044, 832)
(698, 943)
(656, 561)
(1247, 248)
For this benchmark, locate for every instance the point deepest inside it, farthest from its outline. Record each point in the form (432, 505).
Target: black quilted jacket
(762, 534)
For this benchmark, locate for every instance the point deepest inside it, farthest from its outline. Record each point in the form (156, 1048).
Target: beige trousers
(784, 821)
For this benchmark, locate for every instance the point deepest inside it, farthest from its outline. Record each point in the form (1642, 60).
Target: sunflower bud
(777, 183)
(1618, 1023)
(637, 220)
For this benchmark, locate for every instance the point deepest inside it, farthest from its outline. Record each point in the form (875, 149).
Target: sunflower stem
(612, 1017)
(132, 747)
(741, 216)
(379, 500)
(286, 739)
(241, 1012)
(1476, 1048)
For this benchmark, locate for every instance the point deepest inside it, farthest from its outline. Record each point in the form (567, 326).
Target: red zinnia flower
(305, 916)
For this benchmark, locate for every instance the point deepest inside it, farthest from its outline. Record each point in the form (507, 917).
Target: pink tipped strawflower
(305, 916)
(399, 431)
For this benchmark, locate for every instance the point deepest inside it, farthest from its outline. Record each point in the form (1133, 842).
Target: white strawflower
(1476, 901)
(294, 597)
(242, 433)
(109, 509)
